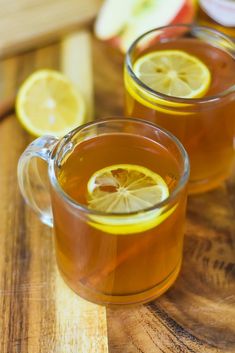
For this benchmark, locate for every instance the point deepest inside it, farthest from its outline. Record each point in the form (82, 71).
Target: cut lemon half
(126, 188)
(174, 73)
(48, 103)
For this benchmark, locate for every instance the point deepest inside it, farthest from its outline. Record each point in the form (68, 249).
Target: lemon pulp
(125, 188)
(174, 73)
(48, 103)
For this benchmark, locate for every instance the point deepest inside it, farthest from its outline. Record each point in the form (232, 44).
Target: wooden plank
(27, 23)
(81, 325)
(108, 80)
(39, 313)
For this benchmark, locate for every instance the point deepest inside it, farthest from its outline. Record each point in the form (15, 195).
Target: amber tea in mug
(114, 257)
(205, 125)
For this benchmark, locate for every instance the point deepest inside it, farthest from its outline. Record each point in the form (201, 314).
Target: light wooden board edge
(76, 64)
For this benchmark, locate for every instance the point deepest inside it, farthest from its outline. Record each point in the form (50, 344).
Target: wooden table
(39, 314)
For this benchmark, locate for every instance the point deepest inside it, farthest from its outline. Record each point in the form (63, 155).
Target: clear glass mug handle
(32, 181)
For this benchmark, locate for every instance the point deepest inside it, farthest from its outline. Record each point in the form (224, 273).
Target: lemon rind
(128, 224)
(160, 104)
(22, 97)
(141, 222)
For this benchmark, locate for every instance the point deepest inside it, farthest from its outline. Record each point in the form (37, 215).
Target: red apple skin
(185, 15)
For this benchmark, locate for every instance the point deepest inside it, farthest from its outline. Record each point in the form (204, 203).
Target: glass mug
(110, 258)
(205, 126)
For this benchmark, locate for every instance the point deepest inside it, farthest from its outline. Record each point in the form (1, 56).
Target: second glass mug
(102, 265)
(205, 126)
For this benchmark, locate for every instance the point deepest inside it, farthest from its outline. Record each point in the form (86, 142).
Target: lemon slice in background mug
(174, 73)
(125, 188)
(48, 103)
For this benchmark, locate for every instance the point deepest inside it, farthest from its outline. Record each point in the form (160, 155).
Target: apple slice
(113, 16)
(186, 13)
(157, 14)
(122, 22)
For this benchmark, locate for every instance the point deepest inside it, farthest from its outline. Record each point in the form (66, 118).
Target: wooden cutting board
(27, 23)
(40, 314)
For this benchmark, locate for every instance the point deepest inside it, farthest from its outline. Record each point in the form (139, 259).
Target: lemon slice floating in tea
(174, 73)
(48, 103)
(125, 188)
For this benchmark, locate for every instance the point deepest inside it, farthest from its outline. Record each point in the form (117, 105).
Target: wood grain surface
(40, 314)
(26, 23)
